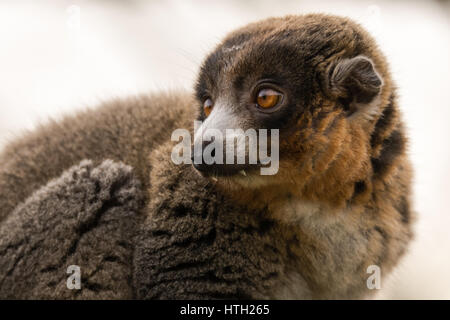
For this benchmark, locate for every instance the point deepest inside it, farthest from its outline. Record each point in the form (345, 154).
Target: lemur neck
(284, 202)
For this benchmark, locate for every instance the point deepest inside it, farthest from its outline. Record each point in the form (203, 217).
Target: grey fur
(87, 217)
(204, 247)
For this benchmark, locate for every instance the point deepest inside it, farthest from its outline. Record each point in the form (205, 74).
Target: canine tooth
(214, 179)
(243, 173)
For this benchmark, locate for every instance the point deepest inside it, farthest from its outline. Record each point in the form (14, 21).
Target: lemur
(340, 201)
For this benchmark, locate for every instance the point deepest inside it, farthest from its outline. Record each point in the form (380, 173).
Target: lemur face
(304, 77)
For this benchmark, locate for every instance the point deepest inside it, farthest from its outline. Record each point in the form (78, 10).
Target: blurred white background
(57, 56)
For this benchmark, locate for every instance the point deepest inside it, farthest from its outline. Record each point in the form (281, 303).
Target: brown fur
(339, 203)
(122, 130)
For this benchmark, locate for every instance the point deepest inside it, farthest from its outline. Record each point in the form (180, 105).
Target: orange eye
(208, 106)
(268, 98)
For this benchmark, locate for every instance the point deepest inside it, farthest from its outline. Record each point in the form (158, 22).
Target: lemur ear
(354, 82)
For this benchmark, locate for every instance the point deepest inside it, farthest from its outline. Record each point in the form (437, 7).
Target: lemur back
(124, 130)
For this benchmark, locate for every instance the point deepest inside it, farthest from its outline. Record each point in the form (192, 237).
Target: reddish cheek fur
(324, 161)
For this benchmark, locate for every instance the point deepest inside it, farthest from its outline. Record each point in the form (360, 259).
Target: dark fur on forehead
(295, 50)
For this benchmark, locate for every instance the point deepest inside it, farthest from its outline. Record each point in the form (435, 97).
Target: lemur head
(319, 79)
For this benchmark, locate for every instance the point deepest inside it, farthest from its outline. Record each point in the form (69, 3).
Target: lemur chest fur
(329, 246)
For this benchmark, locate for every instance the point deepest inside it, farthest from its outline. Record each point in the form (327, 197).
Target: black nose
(215, 169)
